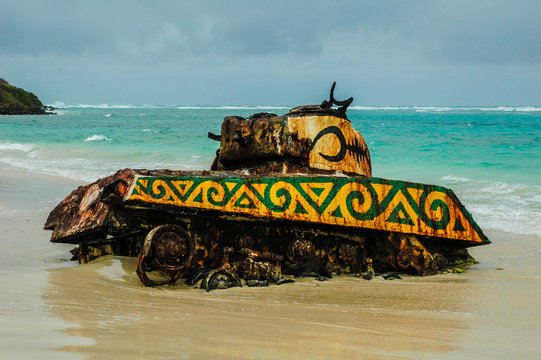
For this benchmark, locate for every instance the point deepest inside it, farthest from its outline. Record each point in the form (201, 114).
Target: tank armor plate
(355, 202)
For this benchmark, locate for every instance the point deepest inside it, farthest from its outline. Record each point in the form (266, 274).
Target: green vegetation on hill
(16, 101)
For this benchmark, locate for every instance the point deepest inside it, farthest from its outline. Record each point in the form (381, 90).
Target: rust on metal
(286, 196)
(83, 210)
(308, 137)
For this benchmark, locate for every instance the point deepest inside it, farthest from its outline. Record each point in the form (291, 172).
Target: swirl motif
(156, 189)
(361, 201)
(278, 196)
(216, 194)
(433, 209)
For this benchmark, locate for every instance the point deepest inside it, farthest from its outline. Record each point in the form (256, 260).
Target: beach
(53, 308)
(229, 143)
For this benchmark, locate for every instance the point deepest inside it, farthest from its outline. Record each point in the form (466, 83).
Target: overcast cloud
(273, 52)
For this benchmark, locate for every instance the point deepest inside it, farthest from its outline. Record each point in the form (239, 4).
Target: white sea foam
(62, 105)
(33, 154)
(454, 179)
(529, 108)
(449, 108)
(97, 137)
(511, 108)
(68, 168)
(432, 108)
(372, 108)
(504, 218)
(499, 205)
(233, 107)
(108, 115)
(107, 106)
(85, 164)
(16, 147)
(83, 168)
(102, 106)
(498, 108)
(58, 104)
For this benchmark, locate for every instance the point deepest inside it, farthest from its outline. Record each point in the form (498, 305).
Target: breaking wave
(498, 205)
(84, 165)
(16, 147)
(97, 137)
(61, 105)
(449, 108)
(232, 107)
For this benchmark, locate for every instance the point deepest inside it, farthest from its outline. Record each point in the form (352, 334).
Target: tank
(286, 196)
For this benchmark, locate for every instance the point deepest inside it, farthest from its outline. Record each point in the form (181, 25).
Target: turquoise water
(491, 157)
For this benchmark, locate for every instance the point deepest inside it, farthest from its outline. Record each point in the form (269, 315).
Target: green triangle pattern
(458, 225)
(337, 213)
(199, 197)
(317, 190)
(243, 198)
(299, 209)
(400, 216)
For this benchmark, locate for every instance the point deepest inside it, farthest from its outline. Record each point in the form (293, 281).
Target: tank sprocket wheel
(167, 249)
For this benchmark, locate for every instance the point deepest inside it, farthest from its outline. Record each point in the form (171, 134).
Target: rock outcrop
(16, 101)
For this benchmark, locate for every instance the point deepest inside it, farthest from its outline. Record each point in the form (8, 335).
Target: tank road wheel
(166, 253)
(220, 279)
(300, 250)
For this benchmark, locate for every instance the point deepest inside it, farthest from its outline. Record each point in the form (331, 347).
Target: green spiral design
(214, 192)
(150, 190)
(434, 206)
(280, 193)
(372, 212)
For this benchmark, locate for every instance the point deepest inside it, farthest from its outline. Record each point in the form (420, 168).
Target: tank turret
(308, 139)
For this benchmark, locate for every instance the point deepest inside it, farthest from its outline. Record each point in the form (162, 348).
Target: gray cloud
(389, 52)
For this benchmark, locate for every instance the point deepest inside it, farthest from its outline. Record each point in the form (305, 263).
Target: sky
(397, 53)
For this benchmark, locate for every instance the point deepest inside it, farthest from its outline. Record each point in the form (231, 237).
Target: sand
(51, 308)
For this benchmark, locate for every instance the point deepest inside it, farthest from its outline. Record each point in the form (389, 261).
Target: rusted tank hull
(288, 195)
(274, 224)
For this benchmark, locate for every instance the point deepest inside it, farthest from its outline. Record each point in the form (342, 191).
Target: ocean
(490, 156)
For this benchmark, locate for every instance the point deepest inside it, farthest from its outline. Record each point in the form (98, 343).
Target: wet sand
(53, 308)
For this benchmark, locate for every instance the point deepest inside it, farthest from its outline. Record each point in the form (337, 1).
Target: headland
(16, 101)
